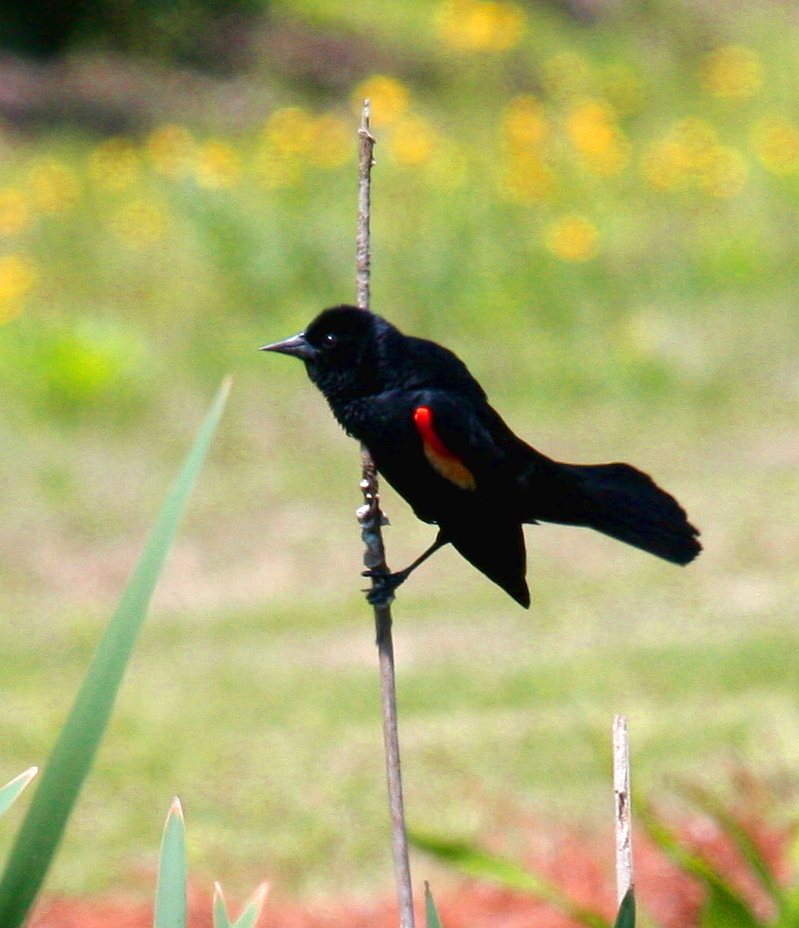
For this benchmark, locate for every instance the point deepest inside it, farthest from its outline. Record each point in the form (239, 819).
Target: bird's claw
(381, 593)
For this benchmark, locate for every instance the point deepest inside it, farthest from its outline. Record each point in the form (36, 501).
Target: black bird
(433, 436)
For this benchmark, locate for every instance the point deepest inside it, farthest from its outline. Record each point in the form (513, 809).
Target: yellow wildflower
(171, 150)
(413, 140)
(333, 143)
(15, 211)
(572, 238)
(524, 122)
(115, 164)
(526, 179)
(17, 279)
(389, 99)
(592, 129)
(732, 72)
(289, 132)
(53, 186)
(217, 165)
(481, 25)
(776, 143)
(690, 155)
(724, 174)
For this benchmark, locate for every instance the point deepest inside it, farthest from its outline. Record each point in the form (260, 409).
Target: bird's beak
(297, 345)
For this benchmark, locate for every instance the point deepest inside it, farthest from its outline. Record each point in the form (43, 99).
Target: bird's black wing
(465, 446)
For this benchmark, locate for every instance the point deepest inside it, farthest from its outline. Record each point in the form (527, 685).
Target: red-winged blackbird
(433, 436)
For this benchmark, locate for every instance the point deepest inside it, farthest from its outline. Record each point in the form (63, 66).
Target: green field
(602, 221)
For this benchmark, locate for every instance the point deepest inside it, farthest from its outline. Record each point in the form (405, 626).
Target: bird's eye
(329, 341)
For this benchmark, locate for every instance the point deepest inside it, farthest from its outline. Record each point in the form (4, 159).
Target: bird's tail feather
(627, 504)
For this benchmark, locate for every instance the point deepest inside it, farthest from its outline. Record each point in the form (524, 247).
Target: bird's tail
(627, 504)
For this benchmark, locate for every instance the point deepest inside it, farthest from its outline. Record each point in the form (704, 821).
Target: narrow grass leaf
(789, 917)
(249, 914)
(77, 743)
(789, 914)
(14, 787)
(725, 907)
(724, 910)
(252, 908)
(709, 804)
(475, 862)
(431, 913)
(626, 915)
(221, 918)
(170, 894)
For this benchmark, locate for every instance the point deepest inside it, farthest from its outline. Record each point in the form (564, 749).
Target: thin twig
(623, 819)
(371, 519)
(363, 250)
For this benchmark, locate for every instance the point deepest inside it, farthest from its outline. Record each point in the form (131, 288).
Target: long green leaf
(221, 918)
(14, 787)
(431, 912)
(249, 914)
(726, 910)
(789, 917)
(476, 862)
(626, 914)
(725, 907)
(711, 806)
(76, 746)
(170, 894)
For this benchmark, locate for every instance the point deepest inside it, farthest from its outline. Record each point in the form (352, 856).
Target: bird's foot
(381, 593)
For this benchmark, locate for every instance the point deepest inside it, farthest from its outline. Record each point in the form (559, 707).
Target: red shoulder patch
(440, 458)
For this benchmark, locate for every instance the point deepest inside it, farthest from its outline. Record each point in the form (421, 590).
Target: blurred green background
(596, 206)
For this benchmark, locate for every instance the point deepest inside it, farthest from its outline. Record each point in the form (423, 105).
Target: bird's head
(340, 349)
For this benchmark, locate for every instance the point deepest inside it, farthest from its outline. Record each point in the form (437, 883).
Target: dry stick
(371, 519)
(623, 820)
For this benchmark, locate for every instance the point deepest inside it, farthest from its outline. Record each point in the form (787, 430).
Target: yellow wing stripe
(441, 459)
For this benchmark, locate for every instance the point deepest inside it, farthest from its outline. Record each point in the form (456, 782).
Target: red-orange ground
(669, 896)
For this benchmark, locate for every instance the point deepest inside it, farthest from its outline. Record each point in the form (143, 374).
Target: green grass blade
(726, 910)
(475, 862)
(75, 748)
(708, 803)
(221, 918)
(250, 913)
(14, 787)
(725, 907)
(789, 916)
(431, 913)
(170, 894)
(626, 914)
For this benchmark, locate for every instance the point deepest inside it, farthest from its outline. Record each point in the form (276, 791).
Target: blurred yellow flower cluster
(44, 188)
(217, 165)
(566, 135)
(17, 278)
(691, 156)
(596, 137)
(732, 72)
(480, 25)
(16, 214)
(527, 175)
(775, 140)
(409, 138)
(295, 139)
(171, 150)
(54, 186)
(572, 238)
